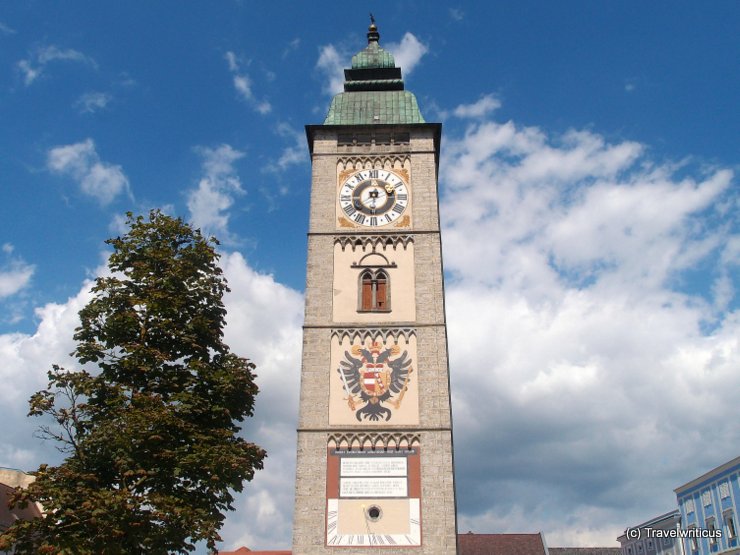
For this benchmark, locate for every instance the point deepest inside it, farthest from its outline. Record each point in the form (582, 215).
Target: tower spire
(372, 31)
(373, 89)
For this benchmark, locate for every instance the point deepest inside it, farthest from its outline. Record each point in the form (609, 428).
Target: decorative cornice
(390, 232)
(373, 441)
(364, 333)
(374, 241)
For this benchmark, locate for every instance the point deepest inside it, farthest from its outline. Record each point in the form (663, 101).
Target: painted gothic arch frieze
(374, 242)
(399, 164)
(397, 441)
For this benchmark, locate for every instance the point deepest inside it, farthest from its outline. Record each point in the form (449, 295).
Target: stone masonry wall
(438, 497)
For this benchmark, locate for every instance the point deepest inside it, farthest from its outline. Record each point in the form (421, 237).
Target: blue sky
(589, 200)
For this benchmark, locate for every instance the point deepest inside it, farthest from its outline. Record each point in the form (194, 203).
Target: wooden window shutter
(366, 299)
(382, 292)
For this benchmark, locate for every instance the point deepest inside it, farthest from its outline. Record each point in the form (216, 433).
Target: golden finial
(372, 31)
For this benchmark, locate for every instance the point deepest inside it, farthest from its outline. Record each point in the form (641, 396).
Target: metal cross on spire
(372, 31)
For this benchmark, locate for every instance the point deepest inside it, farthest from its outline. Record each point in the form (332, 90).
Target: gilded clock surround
(393, 178)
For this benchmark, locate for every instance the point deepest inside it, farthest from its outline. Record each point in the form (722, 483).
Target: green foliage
(150, 423)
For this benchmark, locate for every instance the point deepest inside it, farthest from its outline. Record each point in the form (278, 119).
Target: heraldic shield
(375, 379)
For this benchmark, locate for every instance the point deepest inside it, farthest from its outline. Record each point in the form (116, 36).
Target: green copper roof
(367, 107)
(373, 90)
(372, 57)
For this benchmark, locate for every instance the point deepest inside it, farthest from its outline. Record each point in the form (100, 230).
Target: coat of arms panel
(374, 381)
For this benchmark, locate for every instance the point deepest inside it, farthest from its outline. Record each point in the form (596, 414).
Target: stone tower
(374, 469)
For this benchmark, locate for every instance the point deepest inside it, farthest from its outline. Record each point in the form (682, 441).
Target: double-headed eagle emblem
(375, 378)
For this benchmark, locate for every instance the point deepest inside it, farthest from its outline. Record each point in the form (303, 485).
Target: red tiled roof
(246, 551)
(500, 544)
(486, 544)
(584, 550)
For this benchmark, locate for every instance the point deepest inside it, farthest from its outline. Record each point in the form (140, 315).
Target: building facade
(709, 507)
(374, 455)
(656, 536)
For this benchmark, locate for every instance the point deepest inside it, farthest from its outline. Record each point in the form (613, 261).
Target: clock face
(374, 198)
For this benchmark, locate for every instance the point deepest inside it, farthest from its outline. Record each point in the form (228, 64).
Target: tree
(149, 421)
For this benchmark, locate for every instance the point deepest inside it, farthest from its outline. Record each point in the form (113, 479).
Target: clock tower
(374, 468)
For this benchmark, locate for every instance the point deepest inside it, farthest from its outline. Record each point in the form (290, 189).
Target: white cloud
(264, 323)
(96, 178)
(457, 14)
(91, 102)
(30, 74)
(5, 30)
(15, 273)
(294, 153)
(591, 380)
(243, 84)
(480, 108)
(331, 64)
(209, 202)
(408, 52)
(297, 152)
(231, 60)
(292, 47)
(52, 53)
(24, 361)
(14, 277)
(33, 67)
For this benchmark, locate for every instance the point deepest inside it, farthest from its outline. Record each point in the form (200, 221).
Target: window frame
(693, 540)
(729, 524)
(376, 276)
(710, 524)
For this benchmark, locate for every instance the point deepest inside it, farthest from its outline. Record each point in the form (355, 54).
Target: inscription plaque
(372, 487)
(373, 466)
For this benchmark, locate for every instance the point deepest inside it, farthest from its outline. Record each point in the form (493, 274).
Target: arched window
(374, 291)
